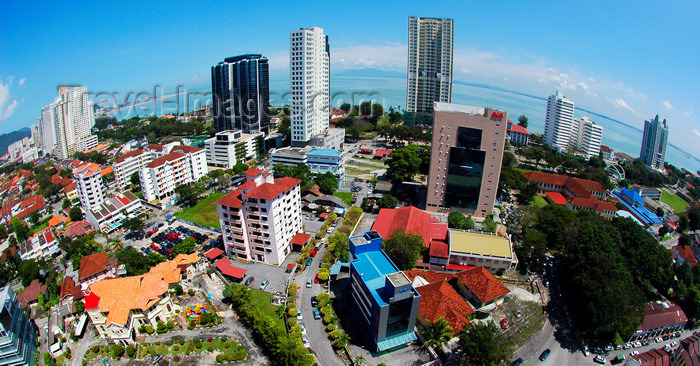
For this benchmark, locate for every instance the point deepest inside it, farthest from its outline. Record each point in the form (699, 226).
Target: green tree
(456, 220)
(3, 233)
(683, 223)
(387, 201)
(184, 247)
(404, 249)
(436, 333)
(21, 229)
(509, 159)
(34, 217)
(483, 345)
(134, 179)
(522, 120)
(117, 351)
(66, 204)
(133, 224)
(130, 350)
(489, 225)
(528, 193)
(189, 193)
(28, 271)
(239, 168)
(79, 307)
(403, 164)
(75, 213)
(327, 182)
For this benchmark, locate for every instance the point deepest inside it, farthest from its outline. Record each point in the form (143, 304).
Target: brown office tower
(465, 160)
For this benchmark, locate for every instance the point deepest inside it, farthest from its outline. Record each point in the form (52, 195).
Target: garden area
(345, 196)
(262, 301)
(676, 203)
(538, 201)
(222, 349)
(204, 212)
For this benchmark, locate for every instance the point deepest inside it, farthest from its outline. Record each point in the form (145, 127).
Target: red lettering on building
(497, 114)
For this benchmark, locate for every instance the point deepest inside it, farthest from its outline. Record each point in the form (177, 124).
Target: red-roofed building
(224, 265)
(660, 318)
(580, 194)
(260, 219)
(70, 291)
(182, 165)
(481, 287)
(652, 357)
(555, 197)
(415, 220)
(76, 229)
(517, 135)
(214, 253)
(93, 268)
(440, 299)
(299, 240)
(42, 245)
(31, 293)
(608, 152)
(382, 153)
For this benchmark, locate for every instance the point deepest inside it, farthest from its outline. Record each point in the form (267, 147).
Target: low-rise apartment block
(182, 165)
(111, 213)
(260, 218)
(42, 245)
(230, 147)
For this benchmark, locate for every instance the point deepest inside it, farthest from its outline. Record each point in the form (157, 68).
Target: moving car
(545, 354)
(309, 261)
(308, 284)
(264, 283)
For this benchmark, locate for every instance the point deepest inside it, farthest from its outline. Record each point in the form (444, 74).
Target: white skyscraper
(66, 121)
(654, 143)
(309, 79)
(430, 51)
(587, 136)
(558, 124)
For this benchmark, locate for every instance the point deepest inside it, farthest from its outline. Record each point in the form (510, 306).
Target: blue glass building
(18, 334)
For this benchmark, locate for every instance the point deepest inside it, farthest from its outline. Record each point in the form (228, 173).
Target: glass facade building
(240, 89)
(18, 335)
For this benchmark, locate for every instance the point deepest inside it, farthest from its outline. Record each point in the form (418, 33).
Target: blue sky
(629, 60)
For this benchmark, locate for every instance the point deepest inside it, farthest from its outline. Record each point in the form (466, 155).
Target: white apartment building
(230, 147)
(23, 149)
(430, 54)
(133, 161)
(309, 69)
(319, 160)
(559, 121)
(67, 121)
(42, 245)
(36, 134)
(260, 218)
(91, 189)
(86, 143)
(587, 136)
(111, 213)
(182, 165)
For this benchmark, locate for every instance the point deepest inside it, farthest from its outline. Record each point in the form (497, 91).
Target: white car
(600, 359)
(305, 341)
(330, 230)
(634, 353)
(303, 328)
(299, 316)
(637, 344)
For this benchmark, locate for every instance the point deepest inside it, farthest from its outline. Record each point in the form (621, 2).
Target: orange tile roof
(186, 149)
(483, 284)
(70, 187)
(69, 288)
(92, 264)
(56, 220)
(300, 238)
(253, 172)
(163, 159)
(686, 253)
(107, 170)
(232, 199)
(248, 184)
(546, 178)
(439, 299)
(520, 129)
(118, 296)
(186, 259)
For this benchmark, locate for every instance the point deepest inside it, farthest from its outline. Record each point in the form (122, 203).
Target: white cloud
(387, 57)
(620, 103)
(688, 113)
(6, 110)
(668, 105)
(696, 132)
(21, 81)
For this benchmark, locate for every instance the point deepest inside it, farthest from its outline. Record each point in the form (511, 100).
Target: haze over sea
(389, 89)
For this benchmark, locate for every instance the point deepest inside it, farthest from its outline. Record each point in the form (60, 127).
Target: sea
(391, 91)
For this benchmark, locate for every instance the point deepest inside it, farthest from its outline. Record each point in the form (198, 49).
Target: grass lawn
(676, 203)
(355, 172)
(261, 301)
(204, 213)
(345, 196)
(538, 202)
(228, 347)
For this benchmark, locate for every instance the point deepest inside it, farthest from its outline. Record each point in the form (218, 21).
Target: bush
(336, 334)
(292, 311)
(219, 358)
(210, 348)
(224, 338)
(149, 329)
(190, 326)
(330, 327)
(161, 328)
(176, 348)
(94, 349)
(117, 351)
(227, 345)
(130, 351)
(190, 292)
(170, 325)
(176, 358)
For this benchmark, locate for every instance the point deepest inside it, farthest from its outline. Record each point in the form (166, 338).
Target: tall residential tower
(654, 142)
(309, 79)
(66, 123)
(430, 45)
(240, 89)
(558, 124)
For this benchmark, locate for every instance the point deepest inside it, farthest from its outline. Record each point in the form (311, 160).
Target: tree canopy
(522, 120)
(327, 182)
(75, 213)
(405, 162)
(404, 249)
(483, 345)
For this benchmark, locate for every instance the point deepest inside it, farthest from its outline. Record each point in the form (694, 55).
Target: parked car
(303, 328)
(585, 350)
(517, 362)
(249, 281)
(600, 359)
(308, 284)
(314, 302)
(634, 353)
(504, 323)
(637, 344)
(609, 348)
(305, 341)
(317, 313)
(105, 362)
(264, 284)
(309, 261)
(627, 346)
(330, 230)
(545, 354)
(299, 316)
(157, 358)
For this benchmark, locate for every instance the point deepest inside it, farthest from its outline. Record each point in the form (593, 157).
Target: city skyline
(535, 49)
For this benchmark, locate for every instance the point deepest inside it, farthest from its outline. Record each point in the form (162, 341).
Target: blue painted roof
(373, 267)
(633, 195)
(319, 151)
(642, 213)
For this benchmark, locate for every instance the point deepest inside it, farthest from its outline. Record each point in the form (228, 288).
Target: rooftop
(93, 264)
(411, 220)
(440, 299)
(459, 108)
(662, 313)
(319, 151)
(480, 244)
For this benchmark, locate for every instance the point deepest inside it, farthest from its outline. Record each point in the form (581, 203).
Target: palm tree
(436, 333)
(360, 359)
(342, 341)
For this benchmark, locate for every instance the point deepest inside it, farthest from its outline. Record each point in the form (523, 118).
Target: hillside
(8, 138)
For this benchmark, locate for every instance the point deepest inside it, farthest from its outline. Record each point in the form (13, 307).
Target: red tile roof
(225, 266)
(483, 284)
(556, 197)
(214, 253)
(92, 301)
(69, 288)
(248, 184)
(129, 154)
(78, 228)
(604, 148)
(93, 264)
(429, 276)
(653, 357)
(439, 249)
(232, 199)
(411, 220)
(155, 147)
(539, 177)
(440, 299)
(661, 314)
(31, 293)
(165, 158)
(520, 129)
(272, 190)
(457, 267)
(253, 172)
(380, 153)
(300, 239)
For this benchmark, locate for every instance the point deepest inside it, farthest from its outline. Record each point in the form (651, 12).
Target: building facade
(654, 141)
(66, 121)
(517, 135)
(319, 160)
(228, 148)
(465, 158)
(586, 136)
(182, 165)
(309, 78)
(260, 218)
(384, 300)
(111, 213)
(430, 54)
(240, 89)
(42, 245)
(18, 335)
(91, 188)
(558, 123)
